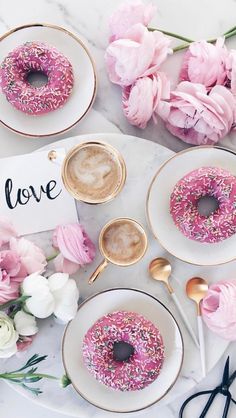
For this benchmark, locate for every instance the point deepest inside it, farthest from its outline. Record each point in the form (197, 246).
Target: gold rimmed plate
(158, 206)
(84, 89)
(89, 312)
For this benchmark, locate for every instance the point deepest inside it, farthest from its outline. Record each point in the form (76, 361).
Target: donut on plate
(124, 351)
(205, 181)
(30, 58)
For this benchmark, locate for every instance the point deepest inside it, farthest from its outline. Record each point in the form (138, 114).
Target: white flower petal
(34, 283)
(41, 305)
(8, 336)
(9, 351)
(25, 324)
(57, 281)
(67, 301)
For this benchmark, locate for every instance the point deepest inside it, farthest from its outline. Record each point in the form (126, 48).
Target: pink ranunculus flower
(231, 71)
(24, 343)
(219, 309)
(145, 98)
(11, 276)
(205, 63)
(199, 118)
(127, 15)
(76, 248)
(140, 54)
(7, 231)
(32, 257)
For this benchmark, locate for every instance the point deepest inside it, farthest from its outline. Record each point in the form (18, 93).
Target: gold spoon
(196, 289)
(160, 270)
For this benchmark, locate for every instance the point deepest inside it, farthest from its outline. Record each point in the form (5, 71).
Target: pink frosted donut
(36, 57)
(124, 350)
(205, 181)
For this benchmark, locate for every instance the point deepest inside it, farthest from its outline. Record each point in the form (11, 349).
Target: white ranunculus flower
(66, 295)
(8, 336)
(25, 324)
(41, 303)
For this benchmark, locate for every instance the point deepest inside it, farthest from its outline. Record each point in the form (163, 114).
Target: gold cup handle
(98, 271)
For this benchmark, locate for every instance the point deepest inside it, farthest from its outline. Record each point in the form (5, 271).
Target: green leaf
(35, 359)
(31, 375)
(31, 379)
(65, 381)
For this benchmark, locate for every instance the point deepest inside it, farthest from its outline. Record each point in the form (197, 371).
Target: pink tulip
(205, 63)
(127, 15)
(7, 231)
(144, 99)
(75, 247)
(219, 309)
(139, 55)
(10, 276)
(200, 118)
(32, 257)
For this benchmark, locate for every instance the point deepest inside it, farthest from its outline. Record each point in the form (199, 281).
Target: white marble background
(196, 19)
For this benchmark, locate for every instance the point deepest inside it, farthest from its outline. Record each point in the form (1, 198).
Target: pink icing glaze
(36, 57)
(205, 181)
(142, 368)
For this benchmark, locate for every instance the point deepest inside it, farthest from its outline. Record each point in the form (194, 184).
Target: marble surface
(89, 20)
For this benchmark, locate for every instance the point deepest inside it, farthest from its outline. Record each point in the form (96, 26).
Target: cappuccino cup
(122, 242)
(93, 172)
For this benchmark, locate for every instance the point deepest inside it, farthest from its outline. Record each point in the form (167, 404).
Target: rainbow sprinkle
(141, 369)
(36, 57)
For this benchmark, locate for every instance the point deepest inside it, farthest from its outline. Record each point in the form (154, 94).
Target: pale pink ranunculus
(200, 118)
(127, 15)
(11, 276)
(32, 257)
(219, 309)
(76, 248)
(231, 71)
(24, 342)
(145, 99)
(205, 63)
(140, 54)
(7, 231)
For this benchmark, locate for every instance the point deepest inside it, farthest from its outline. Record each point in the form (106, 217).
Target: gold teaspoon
(196, 289)
(160, 270)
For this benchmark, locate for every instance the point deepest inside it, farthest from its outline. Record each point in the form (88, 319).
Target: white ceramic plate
(90, 311)
(84, 89)
(158, 206)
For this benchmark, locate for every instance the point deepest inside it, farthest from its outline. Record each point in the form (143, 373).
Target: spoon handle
(202, 345)
(185, 319)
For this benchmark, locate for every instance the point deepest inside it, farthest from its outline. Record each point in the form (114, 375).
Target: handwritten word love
(22, 196)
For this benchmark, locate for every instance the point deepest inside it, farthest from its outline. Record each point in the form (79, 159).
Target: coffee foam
(94, 172)
(123, 242)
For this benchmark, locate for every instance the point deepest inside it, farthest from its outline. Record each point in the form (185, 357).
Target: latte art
(123, 242)
(94, 172)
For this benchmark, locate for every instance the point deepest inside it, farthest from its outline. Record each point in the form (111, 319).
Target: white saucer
(84, 89)
(95, 307)
(158, 206)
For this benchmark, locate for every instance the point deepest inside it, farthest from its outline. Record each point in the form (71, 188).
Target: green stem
(180, 47)
(173, 35)
(227, 35)
(18, 301)
(230, 30)
(51, 257)
(22, 375)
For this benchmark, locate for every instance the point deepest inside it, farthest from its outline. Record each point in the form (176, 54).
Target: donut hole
(122, 351)
(37, 79)
(207, 205)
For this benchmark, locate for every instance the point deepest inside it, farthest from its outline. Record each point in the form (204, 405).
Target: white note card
(32, 194)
